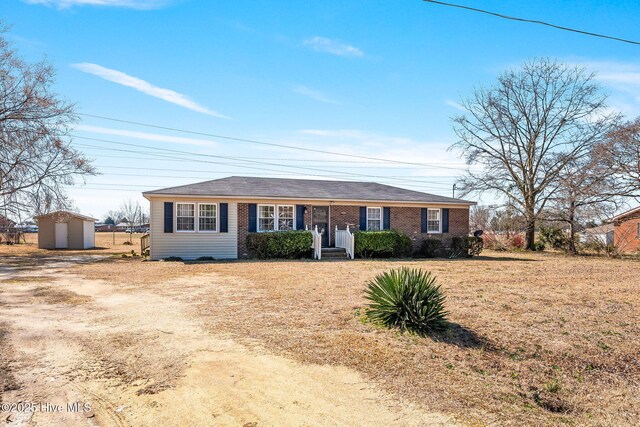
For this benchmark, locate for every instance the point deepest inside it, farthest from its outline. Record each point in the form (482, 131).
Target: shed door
(61, 235)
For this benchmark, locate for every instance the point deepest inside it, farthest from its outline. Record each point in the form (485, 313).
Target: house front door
(320, 218)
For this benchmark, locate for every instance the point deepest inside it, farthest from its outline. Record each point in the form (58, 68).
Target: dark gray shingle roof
(244, 186)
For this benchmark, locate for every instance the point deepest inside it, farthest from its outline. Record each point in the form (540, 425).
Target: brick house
(626, 230)
(214, 218)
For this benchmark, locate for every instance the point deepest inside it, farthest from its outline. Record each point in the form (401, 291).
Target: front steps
(334, 253)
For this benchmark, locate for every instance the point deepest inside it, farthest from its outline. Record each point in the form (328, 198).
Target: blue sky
(373, 78)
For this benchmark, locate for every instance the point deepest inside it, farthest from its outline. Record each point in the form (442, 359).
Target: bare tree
(36, 160)
(525, 130)
(587, 189)
(479, 217)
(132, 212)
(622, 152)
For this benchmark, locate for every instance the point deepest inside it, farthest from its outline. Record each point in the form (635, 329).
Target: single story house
(626, 233)
(65, 230)
(214, 218)
(602, 234)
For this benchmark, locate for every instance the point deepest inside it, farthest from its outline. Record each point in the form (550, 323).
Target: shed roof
(66, 213)
(254, 187)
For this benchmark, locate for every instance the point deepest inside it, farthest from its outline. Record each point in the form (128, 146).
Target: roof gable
(253, 187)
(62, 214)
(628, 214)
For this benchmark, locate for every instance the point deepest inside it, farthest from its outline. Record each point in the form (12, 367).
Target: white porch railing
(317, 243)
(345, 239)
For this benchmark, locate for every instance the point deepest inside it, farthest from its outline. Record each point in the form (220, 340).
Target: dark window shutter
(224, 217)
(168, 217)
(423, 227)
(253, 217)
(386, 218)
(363, 218)
(445, 220)
(299, 217)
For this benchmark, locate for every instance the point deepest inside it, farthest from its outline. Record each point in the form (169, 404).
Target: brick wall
(409, 222)
(341, 216)
(404, 219)
(625, 234)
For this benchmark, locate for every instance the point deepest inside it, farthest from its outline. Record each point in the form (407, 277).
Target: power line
(226, 158)
(271, 144)
(533, 21)
(218, 172)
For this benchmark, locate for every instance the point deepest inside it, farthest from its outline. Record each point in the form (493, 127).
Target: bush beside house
(382, 244)
(280, 244)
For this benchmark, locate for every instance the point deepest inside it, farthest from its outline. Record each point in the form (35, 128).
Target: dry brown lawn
(106, 243)
(535, 339)
(538, 339)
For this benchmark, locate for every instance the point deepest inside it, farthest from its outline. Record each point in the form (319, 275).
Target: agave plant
(409, 299)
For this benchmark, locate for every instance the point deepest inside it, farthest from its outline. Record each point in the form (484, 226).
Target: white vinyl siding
(192, 245)
(89, 234)
(374, 219)
(434, 221)
(283, 221)
(185, 217)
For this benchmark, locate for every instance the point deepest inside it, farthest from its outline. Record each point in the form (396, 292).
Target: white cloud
(313, 94)
(454, 104)
(145, 135)
(323, 44)
(622, 81)
(145, 87)
(398, 148)
(131, 4)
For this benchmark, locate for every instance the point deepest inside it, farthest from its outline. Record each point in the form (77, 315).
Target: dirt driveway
(138, 356)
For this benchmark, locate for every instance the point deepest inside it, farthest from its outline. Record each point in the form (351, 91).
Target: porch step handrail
(346, 240)
(144, 244)
(316, 244)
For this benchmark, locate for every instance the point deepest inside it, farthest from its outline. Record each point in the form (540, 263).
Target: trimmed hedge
(382, 244)
(280, 244)
(431, 248)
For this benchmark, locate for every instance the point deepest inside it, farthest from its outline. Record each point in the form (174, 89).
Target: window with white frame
(374, 219)
(433, 221)
(185, 217)
(285, 217)
(207, 217)
(266, 218)
(276, 217)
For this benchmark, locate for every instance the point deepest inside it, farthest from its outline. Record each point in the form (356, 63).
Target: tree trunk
(571, 244)
(530, 234)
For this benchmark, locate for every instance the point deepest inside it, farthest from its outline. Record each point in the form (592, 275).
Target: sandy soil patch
(537, 338)
(143, 356)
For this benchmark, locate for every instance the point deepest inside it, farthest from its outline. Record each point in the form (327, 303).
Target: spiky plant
(409, 299)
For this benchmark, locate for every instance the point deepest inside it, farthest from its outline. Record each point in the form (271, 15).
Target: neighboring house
(105, 227)
(602, 234)
(213, 218)
(65, 230)
(123, 225)
(626, 233)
